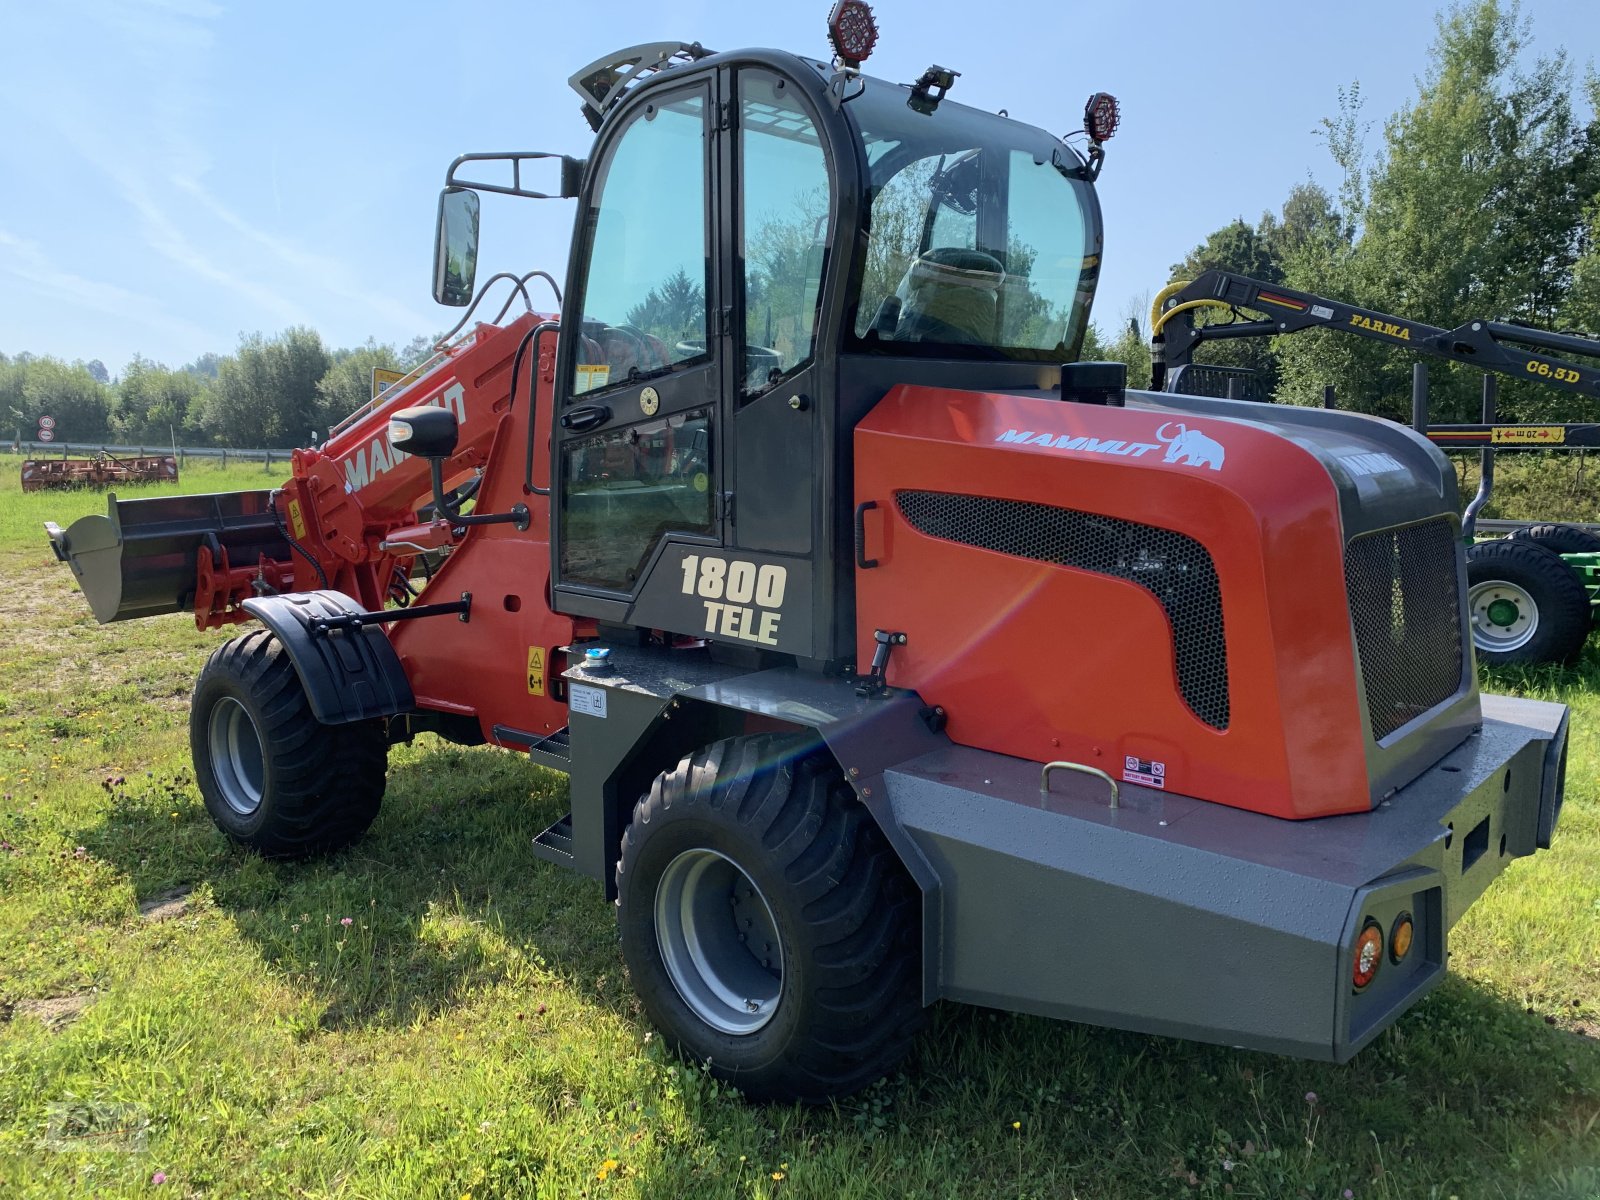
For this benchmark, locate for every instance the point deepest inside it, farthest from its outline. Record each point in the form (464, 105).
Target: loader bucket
(139, 559)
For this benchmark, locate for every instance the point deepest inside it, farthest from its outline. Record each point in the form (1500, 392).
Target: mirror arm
(440, 504)
(571, 174)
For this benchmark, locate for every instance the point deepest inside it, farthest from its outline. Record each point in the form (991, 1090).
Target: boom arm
(1487, 345)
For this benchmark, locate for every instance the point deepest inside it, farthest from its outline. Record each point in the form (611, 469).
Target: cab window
(783, 228)
(982, 237)
(645, 282)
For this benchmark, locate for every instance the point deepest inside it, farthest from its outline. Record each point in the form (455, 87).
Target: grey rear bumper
(1174, 916)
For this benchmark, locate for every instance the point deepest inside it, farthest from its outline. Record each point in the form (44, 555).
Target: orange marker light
(1369, 953)
(1400, 937)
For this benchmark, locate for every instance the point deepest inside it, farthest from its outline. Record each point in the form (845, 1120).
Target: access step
(548, 750)
(555, 844)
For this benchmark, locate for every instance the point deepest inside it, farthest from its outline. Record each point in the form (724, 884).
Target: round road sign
(46, 435)
(47, 422)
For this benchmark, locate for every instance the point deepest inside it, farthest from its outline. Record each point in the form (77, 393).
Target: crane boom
(1500, 346)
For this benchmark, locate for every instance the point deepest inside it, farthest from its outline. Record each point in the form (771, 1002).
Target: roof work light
(1101, 116)
(853, 31)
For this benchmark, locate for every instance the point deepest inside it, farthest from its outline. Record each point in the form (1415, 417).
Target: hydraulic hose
(277, 519)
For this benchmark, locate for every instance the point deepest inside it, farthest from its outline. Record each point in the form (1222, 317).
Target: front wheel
(1525, 604)
(273, 777)
(768, 927)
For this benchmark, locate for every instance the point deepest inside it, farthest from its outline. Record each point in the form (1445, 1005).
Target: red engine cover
(1095, 635)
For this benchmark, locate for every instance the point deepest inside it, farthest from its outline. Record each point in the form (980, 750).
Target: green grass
(471, 1030)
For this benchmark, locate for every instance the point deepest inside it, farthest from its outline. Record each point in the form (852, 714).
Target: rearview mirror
(455, 252)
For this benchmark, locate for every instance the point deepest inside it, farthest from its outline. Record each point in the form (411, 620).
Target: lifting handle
(862, 561)
(1082, 769)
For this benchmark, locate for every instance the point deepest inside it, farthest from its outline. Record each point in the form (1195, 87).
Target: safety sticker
(535, 670)
(1145, 771)
(591, 701)
(1527, 435)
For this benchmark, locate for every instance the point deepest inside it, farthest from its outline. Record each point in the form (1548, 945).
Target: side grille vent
(1407, 618)
(1172, 567)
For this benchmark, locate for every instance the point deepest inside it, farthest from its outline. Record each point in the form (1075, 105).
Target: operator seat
(951, 295)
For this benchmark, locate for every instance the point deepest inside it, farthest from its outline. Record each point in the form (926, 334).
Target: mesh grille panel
(1173, 568)
(1403, 604)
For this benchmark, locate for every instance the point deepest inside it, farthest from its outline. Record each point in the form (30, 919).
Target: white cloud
(154, 56)
(26, 260)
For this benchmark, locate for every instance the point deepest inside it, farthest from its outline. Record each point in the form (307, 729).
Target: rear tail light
(1400, 937)
(1369, 953)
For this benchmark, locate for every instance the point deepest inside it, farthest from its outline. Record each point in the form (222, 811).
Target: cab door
(641, 372)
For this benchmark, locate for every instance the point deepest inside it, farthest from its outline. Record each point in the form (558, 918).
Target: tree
(80, 404)
(266, 394)
(206, 366)
(1243, 249)
(1126, 344)
(1472, 209)
(348, 382)
(416, 352)
(673, 310)
(1581, 308)
(154, 403)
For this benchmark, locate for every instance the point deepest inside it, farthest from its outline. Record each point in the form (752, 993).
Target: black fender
(349, 674)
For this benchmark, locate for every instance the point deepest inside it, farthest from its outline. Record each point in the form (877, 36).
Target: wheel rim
(236, 759)
(719, 942)
(1504, 616)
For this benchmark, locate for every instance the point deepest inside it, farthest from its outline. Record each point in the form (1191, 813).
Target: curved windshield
(984, 240)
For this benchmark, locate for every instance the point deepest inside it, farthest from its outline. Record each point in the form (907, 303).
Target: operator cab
(764, 246)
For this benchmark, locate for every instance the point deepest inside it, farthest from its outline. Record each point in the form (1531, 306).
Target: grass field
(437, 1014)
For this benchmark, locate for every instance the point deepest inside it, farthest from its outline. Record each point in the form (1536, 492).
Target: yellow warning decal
(535, 670)
(1527, 435)
(591, 376)
(298, 520)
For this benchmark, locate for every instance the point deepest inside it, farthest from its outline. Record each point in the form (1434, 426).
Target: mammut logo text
(1376, 463)
(1191, 447)
(378, 457)
(1088, 445)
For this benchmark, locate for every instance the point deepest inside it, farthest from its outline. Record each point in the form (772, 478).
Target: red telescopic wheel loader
(893, 653)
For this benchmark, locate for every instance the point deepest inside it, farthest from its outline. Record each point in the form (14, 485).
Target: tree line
(1481, 200)
(279, 391)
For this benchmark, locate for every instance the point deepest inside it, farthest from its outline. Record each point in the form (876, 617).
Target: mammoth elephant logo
(1191, 447)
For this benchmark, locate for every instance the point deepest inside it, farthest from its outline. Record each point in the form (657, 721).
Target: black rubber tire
(321, 785)
(1561, 539)
(1558, 595)
(849, 1005)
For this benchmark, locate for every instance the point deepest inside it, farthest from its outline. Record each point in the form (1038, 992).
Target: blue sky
(177, 172)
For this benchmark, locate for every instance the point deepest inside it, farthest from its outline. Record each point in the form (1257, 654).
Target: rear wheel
(1525, 604)
(1561, 539)
(273, 777)
(767, 926)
